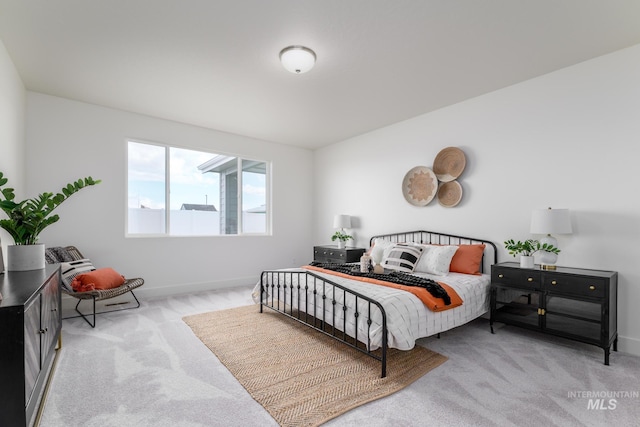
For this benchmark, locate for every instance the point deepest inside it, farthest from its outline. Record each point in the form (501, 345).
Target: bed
(366, 312)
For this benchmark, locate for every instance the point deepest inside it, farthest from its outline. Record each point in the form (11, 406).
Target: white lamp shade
(550, 221)
(342, 221)
(297, 59)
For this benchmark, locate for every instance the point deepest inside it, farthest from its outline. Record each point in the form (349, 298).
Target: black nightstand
(333, 254)
(574, 303)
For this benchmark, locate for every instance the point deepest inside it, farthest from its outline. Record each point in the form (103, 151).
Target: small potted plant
(342, 238)
(27, 219)
(527, 249)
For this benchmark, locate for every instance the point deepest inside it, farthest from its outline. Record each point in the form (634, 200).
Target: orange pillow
(102, 278)
(467, 259)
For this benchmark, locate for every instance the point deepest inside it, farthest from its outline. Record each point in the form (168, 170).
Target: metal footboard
(314, 301)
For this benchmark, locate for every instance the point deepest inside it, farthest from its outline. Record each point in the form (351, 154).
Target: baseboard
(189, 288)
(629, 345)
(147, 292)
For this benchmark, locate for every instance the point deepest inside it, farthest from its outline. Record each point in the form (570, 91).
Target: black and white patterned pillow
(71, 269)
(57, 254)
(403, 258)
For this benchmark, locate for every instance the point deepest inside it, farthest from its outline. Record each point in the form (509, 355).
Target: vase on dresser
(526, 261)
(342, 244)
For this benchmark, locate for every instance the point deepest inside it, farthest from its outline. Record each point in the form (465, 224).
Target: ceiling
(214, 63)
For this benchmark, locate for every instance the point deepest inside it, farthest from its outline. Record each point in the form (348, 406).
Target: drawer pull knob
(593, 288)
(500, 276)
(530, 279)
(553, 282)
(330, 253)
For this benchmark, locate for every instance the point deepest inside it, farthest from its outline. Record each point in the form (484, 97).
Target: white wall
(566, 140)
(12, 117)
(67, 140)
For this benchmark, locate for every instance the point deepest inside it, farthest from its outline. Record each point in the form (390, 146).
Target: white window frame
(167, 184)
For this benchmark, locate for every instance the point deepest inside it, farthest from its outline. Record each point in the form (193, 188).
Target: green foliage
(528, 247)
(28, 218)
(339, 235)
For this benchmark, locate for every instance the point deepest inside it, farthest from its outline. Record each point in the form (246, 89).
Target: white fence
(189, 222)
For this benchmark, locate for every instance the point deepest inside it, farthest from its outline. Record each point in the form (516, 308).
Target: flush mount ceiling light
(297, 59)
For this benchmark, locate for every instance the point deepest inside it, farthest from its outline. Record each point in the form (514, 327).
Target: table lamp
(342, 222)
(550, 221)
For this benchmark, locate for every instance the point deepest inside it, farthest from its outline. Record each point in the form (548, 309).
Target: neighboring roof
(258, 209)
(225, 164)
(197, 207)
(219, 163)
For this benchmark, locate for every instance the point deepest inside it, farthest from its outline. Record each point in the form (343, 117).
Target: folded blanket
(444, 297)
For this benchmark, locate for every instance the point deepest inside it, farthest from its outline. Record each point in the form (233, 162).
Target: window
(180, 192)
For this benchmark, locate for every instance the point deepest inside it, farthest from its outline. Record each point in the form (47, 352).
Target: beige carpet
(300, 376)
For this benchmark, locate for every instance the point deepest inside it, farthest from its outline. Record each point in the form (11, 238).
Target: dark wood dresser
(333, 254)
(575, 303)
(30, 328)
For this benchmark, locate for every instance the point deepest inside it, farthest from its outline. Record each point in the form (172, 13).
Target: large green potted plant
(26, 220)
(527, 249)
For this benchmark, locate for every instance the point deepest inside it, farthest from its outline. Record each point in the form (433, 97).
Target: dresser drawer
(335, 255)
(583, 286)
(329, 255)
(521, 278)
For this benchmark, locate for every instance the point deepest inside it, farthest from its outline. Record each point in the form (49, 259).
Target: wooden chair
(71, 253)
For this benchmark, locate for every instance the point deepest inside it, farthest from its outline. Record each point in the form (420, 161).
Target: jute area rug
(300, 376)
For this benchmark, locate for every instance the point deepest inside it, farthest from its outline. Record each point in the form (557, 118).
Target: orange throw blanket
(432, 303)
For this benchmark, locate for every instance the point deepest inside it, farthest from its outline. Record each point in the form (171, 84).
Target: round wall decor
(450, 194)
(449, 164)
(419, 186)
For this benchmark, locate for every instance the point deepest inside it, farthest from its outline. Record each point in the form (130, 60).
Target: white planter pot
(526, 261)
(25, 257)
(342, 244)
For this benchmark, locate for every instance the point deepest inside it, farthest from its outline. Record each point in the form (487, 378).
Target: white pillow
(403, 258)
(380, 250)
(70, 270)
(436, 260)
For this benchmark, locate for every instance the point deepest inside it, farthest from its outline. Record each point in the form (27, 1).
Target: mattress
(408, 319)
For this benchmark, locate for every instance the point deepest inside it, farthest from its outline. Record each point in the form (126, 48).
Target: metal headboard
(489, 257)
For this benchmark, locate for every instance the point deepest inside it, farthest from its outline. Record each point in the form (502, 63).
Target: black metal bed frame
(274, 284)
(319, 287)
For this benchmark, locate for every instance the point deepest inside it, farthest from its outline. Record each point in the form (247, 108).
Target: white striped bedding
(408, 319)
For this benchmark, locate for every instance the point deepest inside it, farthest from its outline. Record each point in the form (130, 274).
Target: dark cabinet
(574, 303)
(30, 328)
(335, 255)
